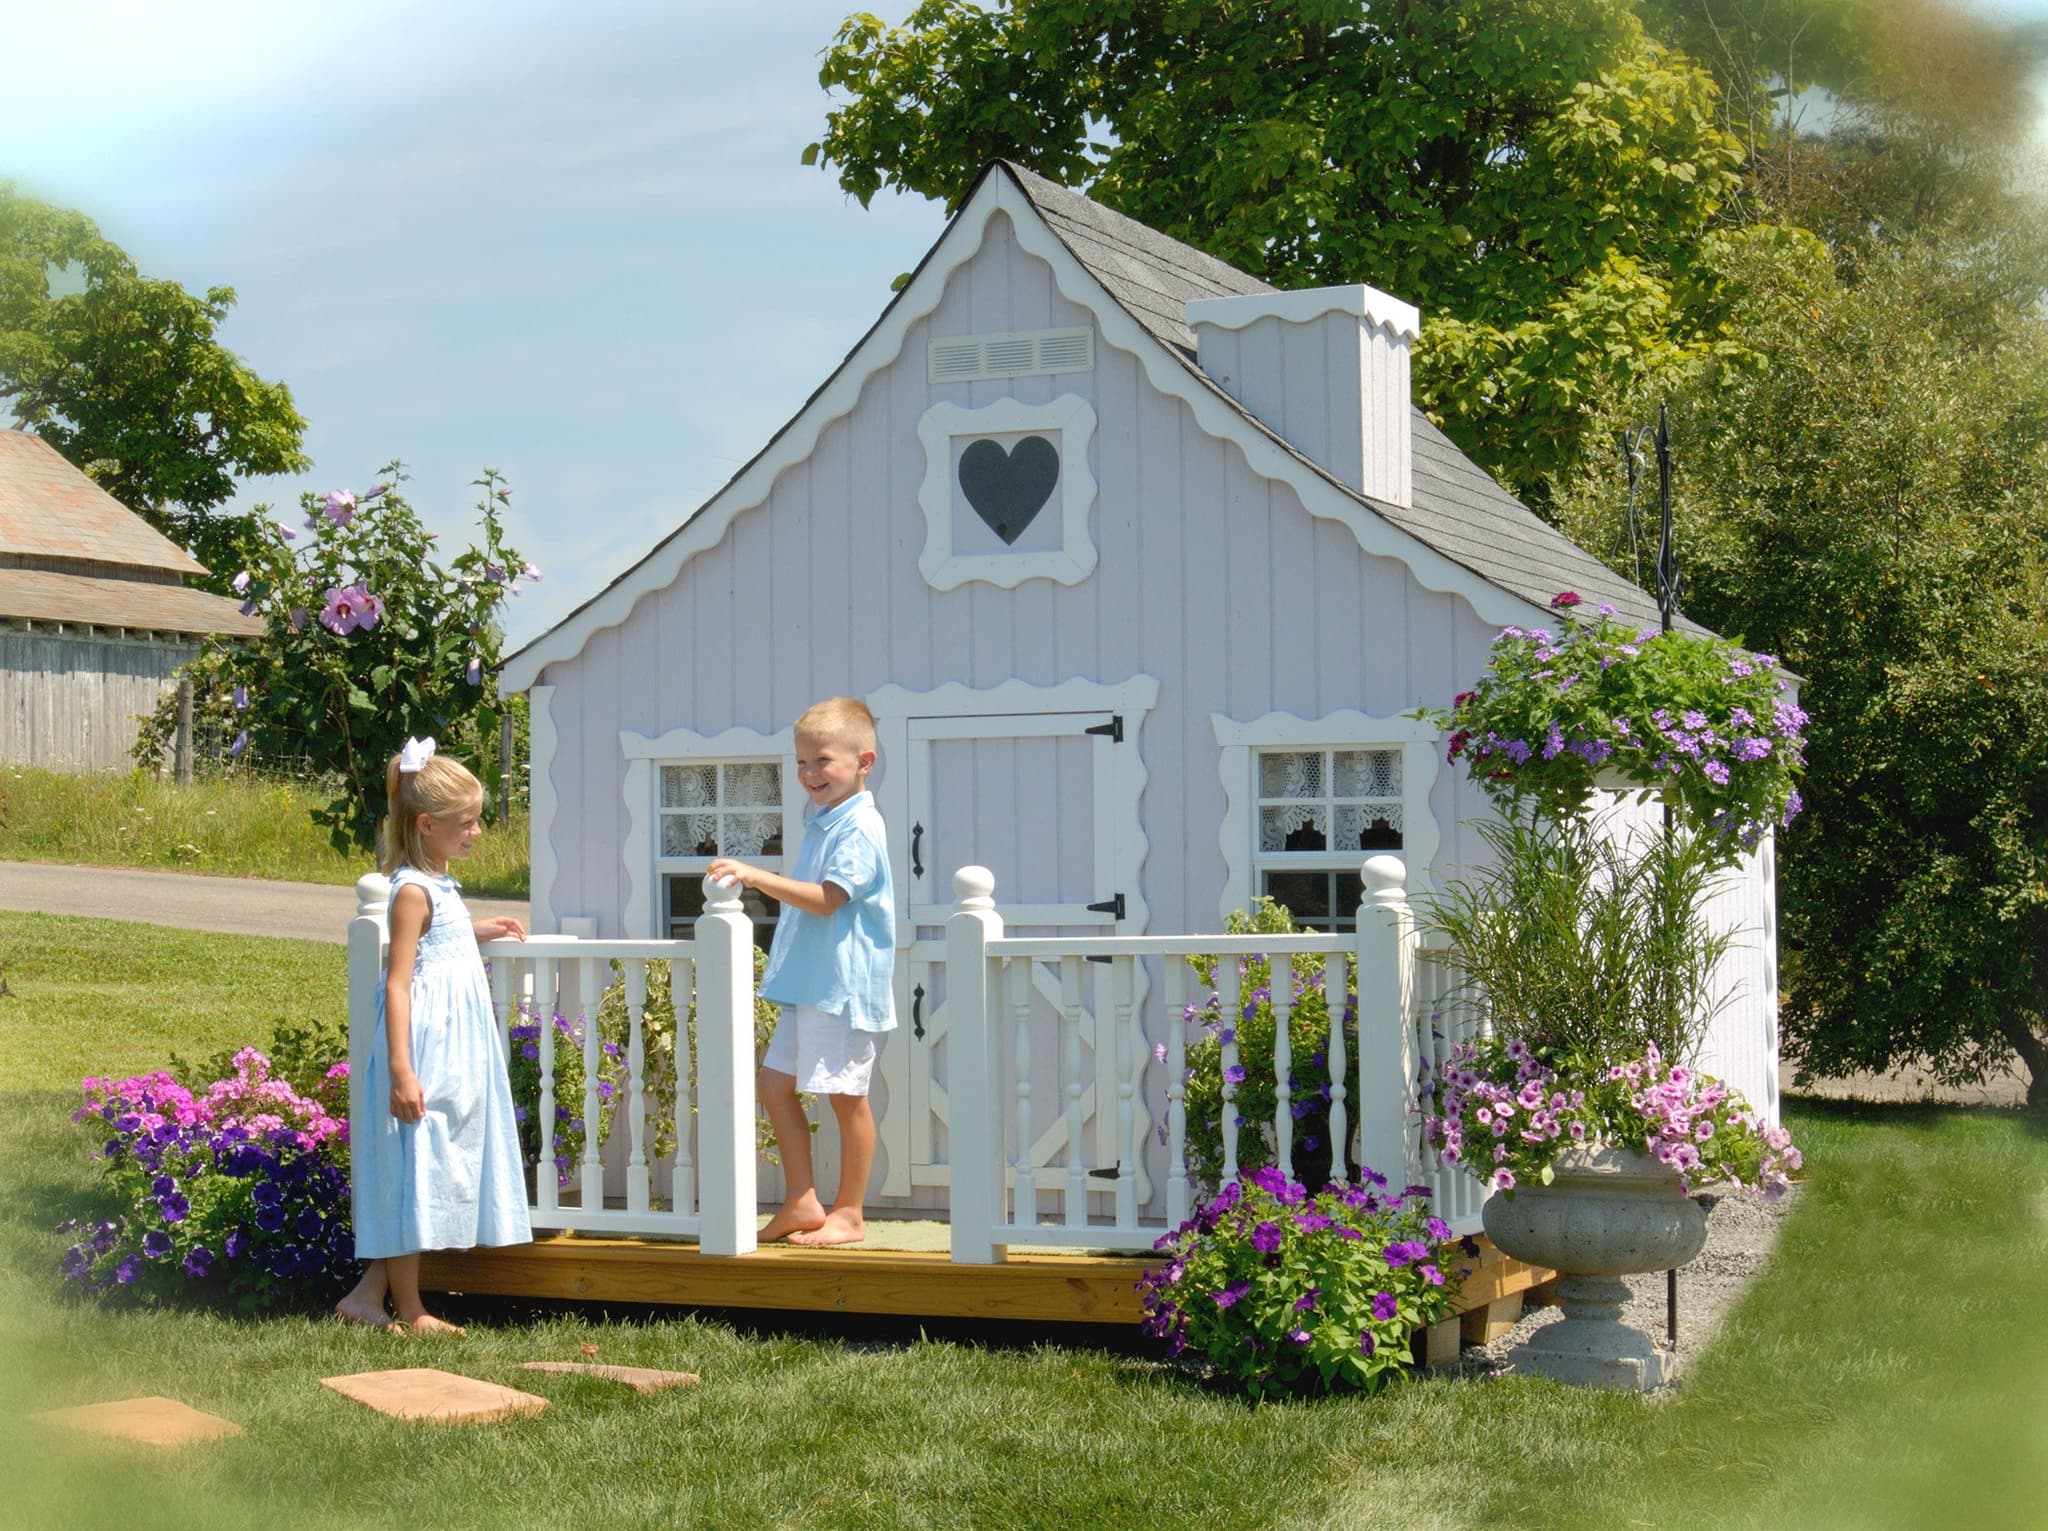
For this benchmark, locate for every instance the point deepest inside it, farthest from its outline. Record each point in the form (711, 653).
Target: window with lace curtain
(1320, 811)
(713, 808)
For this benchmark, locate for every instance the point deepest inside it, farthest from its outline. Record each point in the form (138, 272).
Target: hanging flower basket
(1704, 722)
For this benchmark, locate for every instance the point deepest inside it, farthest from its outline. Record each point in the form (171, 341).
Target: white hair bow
(417, 752)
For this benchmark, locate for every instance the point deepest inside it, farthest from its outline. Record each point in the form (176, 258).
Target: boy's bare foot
(842, 1226)
(358, 1310)
(798, 1216)
(426, 1323)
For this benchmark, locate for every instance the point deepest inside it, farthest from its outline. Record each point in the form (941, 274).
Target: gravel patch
(1740, 1232)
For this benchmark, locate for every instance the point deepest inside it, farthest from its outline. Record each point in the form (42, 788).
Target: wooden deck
(1034, 1287)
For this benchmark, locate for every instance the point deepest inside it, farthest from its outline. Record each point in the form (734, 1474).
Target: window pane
(1291, 773)
(1303, 828)
(1306, 896)
(686, 902)
(750, 834)
(1368, 773)
(689, 786)
(1369, 827)
(753, 784)
(1350, 893)
(689, 834)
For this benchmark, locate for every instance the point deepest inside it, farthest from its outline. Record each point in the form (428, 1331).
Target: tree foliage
(370, 638)
(124, 375)
(1871, 505)
(1537, 175)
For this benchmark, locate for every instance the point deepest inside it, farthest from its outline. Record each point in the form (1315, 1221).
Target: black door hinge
(1113, 907)
(1114, 728)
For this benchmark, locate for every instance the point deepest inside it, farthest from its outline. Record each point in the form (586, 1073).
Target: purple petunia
(1230, 1295)
(1266, 1238)
(156, 1244)
(1384, 1307)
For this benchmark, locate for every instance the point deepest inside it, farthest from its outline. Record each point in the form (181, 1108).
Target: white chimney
(1326, 368)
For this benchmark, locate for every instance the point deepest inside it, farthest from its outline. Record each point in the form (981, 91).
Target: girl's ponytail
(390, 837)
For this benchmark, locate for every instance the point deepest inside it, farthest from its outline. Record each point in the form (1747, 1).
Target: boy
(831, 968)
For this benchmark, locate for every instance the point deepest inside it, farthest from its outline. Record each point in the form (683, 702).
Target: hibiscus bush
(1282, 1291)
(370, 637)
(236, 1192)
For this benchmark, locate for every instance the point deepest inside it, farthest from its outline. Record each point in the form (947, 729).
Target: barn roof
(71, 552)
(1459, 509)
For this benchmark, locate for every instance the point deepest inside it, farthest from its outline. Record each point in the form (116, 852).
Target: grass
(1886, 1370)
(229, 827)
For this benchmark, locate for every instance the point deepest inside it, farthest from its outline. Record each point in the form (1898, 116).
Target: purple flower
(286, 532)
(1384, 1306)
(163, 1185)
(241, 742)
(174, 1207)
(298, 616)
(341, 506)
(1266, 1238)
(1430, 1274)
(1298, 1336)
(475, 673)
(1234, 1074)
(199, 1263)
(528, 571)
(1439, 1230)
(1307, 1300)
(241, 696)
(1366, 1343)
(237, 1244)
(156, 1244)
(1406, 1252)
(128, 1270)
(342, 614)
(1715, 772)
(1564, 600)
(240, 583)
(1229, 1296)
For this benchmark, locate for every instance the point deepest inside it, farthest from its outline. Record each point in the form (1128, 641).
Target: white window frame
(1073, 419)
(1238, 747)
(646, 911)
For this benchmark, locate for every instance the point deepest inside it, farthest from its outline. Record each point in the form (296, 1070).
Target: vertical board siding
(74, 701)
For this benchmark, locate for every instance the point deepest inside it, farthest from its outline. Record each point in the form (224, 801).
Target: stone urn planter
(1608, 1213)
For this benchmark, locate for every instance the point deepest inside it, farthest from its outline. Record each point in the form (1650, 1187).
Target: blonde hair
(841, 718)
(440, 787)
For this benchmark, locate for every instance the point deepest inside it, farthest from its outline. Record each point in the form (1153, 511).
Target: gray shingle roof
(1459, 510)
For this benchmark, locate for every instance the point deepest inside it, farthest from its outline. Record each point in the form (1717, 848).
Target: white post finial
(974, 888)
(722, 895)
(1385, 879)
(373, 893)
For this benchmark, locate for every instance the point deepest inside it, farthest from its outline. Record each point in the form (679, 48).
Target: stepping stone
(424, 1392)
(155, 1421)
(640, 1379)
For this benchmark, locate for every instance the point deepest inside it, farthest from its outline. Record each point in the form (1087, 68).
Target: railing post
(365, 976)
(725, 1073)
(973, 996)
(1386, 1063)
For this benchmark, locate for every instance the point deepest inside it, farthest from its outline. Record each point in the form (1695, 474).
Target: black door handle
(917, 1012)
(916, 860)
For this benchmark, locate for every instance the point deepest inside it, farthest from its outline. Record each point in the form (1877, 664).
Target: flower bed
(237, 1191)
(1281, 1291)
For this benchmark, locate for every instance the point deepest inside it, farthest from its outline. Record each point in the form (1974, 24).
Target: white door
(1032, 797)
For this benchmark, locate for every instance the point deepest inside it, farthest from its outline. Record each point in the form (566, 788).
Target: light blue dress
(453, 1179)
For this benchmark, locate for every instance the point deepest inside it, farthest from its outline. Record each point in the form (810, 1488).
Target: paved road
(246, 906)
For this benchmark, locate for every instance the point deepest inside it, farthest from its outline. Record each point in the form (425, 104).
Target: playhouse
(1139, 564)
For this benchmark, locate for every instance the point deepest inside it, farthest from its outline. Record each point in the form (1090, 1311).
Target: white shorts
(824, 1054)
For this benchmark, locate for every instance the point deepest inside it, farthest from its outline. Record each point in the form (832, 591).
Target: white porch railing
(711, 1189)
(1409, 1010)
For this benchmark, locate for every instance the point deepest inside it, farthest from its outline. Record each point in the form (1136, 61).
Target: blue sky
(573, 243)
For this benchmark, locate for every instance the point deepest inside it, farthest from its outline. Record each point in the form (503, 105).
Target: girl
(440, 1168)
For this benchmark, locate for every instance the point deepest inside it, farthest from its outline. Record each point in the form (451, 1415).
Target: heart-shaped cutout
(1008, 488)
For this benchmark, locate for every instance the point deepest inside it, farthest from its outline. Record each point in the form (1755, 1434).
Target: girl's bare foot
(844, 1225)
(360, 1310)
(798, 1215)
(426, 1323)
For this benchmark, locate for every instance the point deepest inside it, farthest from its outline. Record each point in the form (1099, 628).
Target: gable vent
(1027, 353)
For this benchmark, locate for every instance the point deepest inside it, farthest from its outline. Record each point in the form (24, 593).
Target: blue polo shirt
(843, 963)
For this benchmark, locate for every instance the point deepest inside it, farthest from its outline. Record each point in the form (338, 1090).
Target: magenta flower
(1384, 1307)
(1266, 1238)
(1230, 1295)
(1564, 600)
(348, 608)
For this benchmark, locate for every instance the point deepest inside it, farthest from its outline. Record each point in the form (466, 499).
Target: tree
(370, 638)
(1870, 503)
(125, 377)
(1537, 175)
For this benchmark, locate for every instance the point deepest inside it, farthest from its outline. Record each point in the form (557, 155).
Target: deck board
(1030, 1286)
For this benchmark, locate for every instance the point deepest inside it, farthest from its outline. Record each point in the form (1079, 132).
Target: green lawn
(231, 827)
(1887, 1370)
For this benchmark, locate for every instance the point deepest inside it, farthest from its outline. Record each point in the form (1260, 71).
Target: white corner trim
(1236, 835)
(1305, 304)
(639, 850)
(1165, 370)
(541, 806)
(1074, 560)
